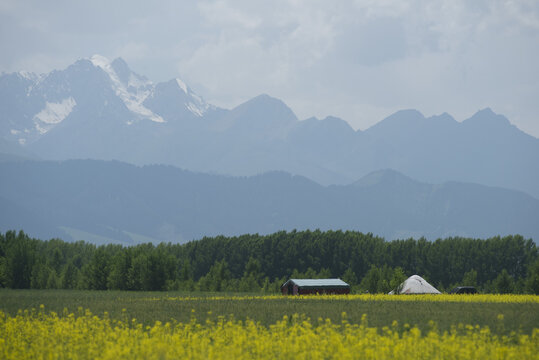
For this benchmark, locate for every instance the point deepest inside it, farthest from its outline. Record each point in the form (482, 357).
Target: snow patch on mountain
(53, 113)
(182, 85)
(197, 106)
(197, 109)
(132, 94)
(138, 82)
(28, 75)
(33, 78)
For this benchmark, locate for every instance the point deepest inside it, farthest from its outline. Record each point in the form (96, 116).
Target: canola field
(82, 334)
(477, 298)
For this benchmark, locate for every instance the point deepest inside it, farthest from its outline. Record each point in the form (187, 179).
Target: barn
(315, 286)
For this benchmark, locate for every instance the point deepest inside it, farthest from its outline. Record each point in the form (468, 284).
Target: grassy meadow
(520, 312)
(59, 324)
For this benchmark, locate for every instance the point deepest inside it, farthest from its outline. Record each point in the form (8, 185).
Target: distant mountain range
(98, 109)
(110, 201)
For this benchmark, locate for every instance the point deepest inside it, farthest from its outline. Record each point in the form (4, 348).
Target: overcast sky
(358, 60)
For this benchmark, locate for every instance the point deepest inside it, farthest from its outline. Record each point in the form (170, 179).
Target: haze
(360, 60)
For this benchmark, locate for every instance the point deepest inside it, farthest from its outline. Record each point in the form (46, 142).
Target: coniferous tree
(97, 271)
(20, 257)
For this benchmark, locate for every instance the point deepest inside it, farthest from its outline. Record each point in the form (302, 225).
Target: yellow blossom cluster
(37, 334)
(477, 298)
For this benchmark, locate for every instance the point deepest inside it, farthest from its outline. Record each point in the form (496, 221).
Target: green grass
(147, 307)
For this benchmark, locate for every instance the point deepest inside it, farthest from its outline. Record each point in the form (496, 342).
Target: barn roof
(306, 283)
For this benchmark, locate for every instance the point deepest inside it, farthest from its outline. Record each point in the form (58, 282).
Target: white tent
(415, 284)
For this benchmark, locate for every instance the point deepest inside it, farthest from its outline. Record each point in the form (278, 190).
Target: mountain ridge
(104, 110)
(111, 199)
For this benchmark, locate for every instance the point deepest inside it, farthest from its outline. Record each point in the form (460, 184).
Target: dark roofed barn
(315, 286)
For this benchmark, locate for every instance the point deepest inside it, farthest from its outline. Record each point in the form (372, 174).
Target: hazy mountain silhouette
(96, 109)
(116, 202)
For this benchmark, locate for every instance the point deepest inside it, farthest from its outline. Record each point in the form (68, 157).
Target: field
(215, 325)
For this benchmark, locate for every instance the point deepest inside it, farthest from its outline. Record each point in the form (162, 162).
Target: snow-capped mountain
(34, 105)
(101, 109)
(132, 88)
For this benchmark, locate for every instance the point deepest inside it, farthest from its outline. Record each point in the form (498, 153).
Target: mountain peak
(384, 177)
(173, 97)
(120, 62)
(402, 120)
(122, 69)
(486, 110)
(131, 88)
(335, 122)
(265, 99)
(27, 75)
(406, 114)
(265, 107)
(262, 114)
(100, 61)
(487, 117)
(269, 103)
(182, 85)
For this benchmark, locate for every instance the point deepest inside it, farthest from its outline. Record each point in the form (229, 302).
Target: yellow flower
(30, 335)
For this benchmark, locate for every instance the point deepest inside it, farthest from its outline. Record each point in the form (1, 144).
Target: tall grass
(148, 307)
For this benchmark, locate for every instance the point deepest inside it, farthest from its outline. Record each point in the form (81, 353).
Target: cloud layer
(360, 60)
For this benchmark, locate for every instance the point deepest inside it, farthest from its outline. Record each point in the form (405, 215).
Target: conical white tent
(415, 284)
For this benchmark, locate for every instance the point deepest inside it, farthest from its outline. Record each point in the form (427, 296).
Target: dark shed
(315, 286)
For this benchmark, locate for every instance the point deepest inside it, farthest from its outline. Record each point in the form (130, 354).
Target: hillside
(103, 201)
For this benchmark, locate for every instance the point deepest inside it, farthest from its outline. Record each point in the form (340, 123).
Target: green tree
(217, 278)
(350, 277)
(40, 276)
(53, 282)
(158, 269)
(504, 283)
(56, 259)
(3, 278)
(185, 280)
(69, 277)
(136, 271)
(324, 273)
(371, 280)
(251, 276)
(532, 280)
(397, 279)
(119, 271)
(98, 269)
(20, 257)
(469, 278)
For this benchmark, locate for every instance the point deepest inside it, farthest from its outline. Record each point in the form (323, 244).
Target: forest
(261, 263)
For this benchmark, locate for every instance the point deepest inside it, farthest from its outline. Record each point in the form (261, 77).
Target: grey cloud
(374, 42)
(359, 60)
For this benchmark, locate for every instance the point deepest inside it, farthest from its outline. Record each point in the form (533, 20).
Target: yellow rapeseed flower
(37, 334)
(476, 298)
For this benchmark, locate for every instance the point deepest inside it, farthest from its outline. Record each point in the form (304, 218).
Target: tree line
(263, 263)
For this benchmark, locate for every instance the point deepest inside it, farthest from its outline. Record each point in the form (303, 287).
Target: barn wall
(314, 291)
